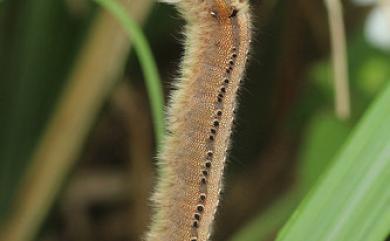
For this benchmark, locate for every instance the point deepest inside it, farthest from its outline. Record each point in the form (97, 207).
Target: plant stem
(339, 58)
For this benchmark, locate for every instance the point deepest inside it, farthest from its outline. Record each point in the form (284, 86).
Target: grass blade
(324, 135)
(146, 59)
(351, 202)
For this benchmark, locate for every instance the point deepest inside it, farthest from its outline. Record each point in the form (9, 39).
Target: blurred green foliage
(33, 35)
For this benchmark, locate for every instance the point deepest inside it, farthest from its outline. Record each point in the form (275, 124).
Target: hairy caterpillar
(200, 118)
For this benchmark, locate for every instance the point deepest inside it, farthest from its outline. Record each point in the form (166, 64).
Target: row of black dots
(203, 179)
(203, 188)
(209, 155)
(222, 92)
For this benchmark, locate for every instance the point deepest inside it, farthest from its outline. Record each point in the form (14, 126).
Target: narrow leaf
(145, 56)
(351, 202)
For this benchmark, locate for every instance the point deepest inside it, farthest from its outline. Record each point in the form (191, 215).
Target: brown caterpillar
(200, 118)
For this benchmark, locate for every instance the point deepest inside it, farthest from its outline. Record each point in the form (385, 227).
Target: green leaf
(145, 56)
(325, 134)
(351, 201)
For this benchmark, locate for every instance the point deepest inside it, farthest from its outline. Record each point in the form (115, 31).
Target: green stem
(153, 83)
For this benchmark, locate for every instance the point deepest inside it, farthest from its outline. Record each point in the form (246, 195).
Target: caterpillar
(200, 118)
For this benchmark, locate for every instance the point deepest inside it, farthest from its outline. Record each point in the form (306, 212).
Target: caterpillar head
(218, 9)
(227, 8)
